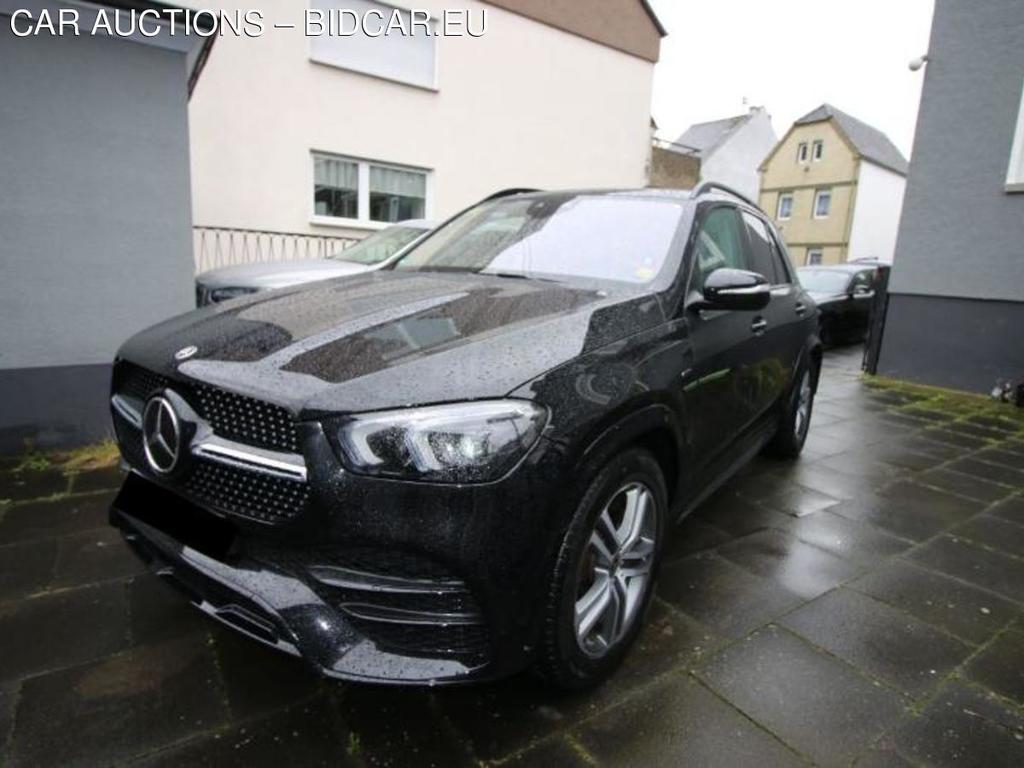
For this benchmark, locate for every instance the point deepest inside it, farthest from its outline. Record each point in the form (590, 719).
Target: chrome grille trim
(128, 410)
(288, 465)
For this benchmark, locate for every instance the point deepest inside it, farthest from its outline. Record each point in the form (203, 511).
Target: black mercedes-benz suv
(468, 463)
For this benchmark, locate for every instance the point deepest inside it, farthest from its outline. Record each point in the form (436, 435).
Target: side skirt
(749, 446)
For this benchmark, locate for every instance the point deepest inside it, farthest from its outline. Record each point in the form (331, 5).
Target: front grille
(227, 489)
(246, 420)
(232, 416)
(230, 490)
(243, 492)
(139, 383)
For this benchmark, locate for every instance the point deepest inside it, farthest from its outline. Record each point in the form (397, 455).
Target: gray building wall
(956, 312)
(95, 221)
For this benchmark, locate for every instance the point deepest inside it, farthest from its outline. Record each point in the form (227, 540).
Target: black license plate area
(176, 516)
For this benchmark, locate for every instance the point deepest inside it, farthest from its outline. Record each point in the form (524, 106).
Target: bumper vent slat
(406, 603)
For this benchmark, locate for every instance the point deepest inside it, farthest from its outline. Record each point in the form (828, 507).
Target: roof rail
(711, 186)
(508, 192)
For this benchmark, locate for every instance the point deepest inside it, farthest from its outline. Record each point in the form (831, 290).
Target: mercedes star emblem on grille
(185, 352)
(161, 435)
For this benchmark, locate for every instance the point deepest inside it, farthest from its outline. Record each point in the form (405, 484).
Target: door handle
(759, 325)
(800, 308)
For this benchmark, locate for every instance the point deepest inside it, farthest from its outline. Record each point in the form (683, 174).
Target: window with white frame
(785, 206)
(335, 187)
(801, 152)
(813, 256)
(353, 38)
(822, 203)
(365, 191)
(1015, 170)
(396, 195)
(817, 149)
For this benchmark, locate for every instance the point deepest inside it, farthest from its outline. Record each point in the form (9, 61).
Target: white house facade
(731, 150)
(338, 136)
(876, 213)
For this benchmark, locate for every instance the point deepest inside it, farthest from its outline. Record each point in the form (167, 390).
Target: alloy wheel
(615, 571)
(803, 407)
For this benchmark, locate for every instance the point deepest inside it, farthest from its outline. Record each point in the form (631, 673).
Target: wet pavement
(864, 605)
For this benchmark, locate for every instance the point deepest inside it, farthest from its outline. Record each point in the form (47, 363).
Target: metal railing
(214, 247)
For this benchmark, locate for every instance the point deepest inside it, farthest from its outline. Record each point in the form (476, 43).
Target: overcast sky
(790, 56)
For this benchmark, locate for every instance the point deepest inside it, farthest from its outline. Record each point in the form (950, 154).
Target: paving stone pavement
(862, 606)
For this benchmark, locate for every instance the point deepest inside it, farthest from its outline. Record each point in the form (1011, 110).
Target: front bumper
(298, 590)
(271, 603)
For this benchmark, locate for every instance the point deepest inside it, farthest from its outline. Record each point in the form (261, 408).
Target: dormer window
(801, 152)
(817, 150)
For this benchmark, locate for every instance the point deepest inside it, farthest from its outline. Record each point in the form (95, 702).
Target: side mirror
(727, 288)
(861, 290)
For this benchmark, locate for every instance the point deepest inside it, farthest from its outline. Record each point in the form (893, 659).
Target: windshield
(556, 237)
(380, 246)
(824, 280)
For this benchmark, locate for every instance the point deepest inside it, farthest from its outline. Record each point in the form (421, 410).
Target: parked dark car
(468, 463)
(844, 294)
(373, 252)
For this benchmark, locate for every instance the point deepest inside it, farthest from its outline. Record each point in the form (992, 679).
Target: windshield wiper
(519, 276)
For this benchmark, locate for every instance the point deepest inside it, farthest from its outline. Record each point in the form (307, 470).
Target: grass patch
(102, 455)
(33, 461)
(89, 457)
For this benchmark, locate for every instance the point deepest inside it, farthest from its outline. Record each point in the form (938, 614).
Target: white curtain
(390, 181)
(331, 172)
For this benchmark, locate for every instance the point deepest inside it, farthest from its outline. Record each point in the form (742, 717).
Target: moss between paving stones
(924, 399)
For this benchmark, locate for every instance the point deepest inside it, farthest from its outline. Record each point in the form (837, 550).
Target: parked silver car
(372, 253)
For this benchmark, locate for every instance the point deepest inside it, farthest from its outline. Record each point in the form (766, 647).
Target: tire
(795, 420)
(573, 657)
(827, 333)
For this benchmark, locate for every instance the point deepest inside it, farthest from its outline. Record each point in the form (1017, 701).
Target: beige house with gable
(834, 186)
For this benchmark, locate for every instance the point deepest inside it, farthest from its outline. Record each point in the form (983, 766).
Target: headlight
(223, 294)
(462, 443)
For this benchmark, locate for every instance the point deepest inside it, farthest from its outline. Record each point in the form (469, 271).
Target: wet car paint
(611, 365)
(845, 315)
(339, 346)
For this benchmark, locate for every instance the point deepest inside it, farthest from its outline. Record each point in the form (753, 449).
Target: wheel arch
(653, 427)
